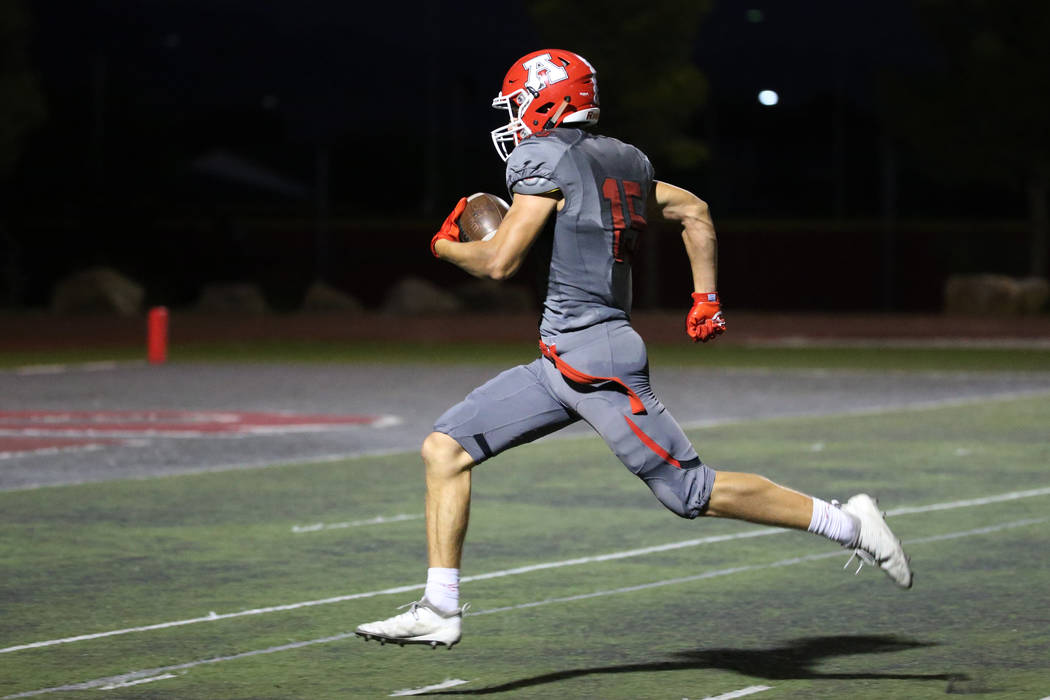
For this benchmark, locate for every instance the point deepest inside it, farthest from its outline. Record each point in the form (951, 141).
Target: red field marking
(170, 423)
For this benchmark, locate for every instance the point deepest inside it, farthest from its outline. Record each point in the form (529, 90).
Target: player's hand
(705, 319)
(449, 230)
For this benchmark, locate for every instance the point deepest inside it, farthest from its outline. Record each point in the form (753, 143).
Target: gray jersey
(606, 185)
(594, 365)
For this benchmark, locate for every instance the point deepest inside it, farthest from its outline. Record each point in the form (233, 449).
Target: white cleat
(422, 624)
(876, 544)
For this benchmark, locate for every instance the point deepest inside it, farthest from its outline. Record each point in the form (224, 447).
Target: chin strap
(553, 121)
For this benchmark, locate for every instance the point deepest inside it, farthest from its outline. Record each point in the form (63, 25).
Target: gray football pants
(529, 401)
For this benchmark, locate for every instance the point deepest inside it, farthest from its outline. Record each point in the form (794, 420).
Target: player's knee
(684, 492)
(442, 455)
(673, 501)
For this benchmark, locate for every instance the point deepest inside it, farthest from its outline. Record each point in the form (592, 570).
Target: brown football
(481, 218)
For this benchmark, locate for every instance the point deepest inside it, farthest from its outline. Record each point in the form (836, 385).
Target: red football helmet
(542, 90)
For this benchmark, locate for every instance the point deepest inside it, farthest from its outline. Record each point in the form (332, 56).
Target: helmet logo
(543, 72)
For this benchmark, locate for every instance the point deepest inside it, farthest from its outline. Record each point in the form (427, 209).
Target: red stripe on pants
(651, 444)
(575, 375)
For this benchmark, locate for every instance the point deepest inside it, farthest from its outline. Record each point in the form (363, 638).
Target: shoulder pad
(532, 164)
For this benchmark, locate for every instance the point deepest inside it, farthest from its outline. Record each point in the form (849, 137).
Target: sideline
(686, 425)
(882, 409)
(147, 673)
(760, 532)
(63, 368)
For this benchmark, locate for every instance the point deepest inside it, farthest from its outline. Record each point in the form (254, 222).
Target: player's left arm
(500, 257)
(670, 203)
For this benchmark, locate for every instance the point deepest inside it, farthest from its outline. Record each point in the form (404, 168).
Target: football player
(601, 193)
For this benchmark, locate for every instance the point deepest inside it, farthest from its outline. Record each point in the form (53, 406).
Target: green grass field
(202, 561)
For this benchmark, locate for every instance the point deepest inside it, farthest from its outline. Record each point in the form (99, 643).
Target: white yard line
(146, 673)
(236, 466)
(378, 520)
(30, 370)
(878, 410)
(134, 675)
(245, 432)
(753, 567)
(100, 366)
(760, 532)
(986, 500)
(450, 683)
(743, 692)
(125, 684)
(933, 343)
(213, 617)
(48, 451)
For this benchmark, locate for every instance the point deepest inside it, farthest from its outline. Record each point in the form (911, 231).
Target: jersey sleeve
(532, 164)
(642, 162)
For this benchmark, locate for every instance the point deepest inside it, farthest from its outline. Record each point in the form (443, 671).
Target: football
(481, 218)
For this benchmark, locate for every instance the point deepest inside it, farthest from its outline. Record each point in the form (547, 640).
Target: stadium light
(768, 98)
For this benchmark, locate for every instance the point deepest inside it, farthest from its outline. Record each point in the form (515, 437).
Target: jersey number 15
(628, 224)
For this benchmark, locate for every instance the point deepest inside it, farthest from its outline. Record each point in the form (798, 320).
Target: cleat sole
(432, 643)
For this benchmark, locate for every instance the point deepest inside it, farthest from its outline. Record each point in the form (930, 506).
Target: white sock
(830, 521)
(443, 588)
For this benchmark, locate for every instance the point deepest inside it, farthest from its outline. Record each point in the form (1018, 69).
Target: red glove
(449, 230)
(705, 320)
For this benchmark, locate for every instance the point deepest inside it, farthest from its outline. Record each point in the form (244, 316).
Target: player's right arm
(531, 179)
(671, 203)
(500, 256)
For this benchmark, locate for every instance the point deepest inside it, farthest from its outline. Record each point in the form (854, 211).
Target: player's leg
(743, 496)
(653, 446)
(658, 452)
(437, 617)
(756, 499)
(512, 408)
(858, 525)
(649, 443)
(448, 468)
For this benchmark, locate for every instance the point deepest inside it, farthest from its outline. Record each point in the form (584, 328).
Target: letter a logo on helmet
(543, 90)
(542, 72)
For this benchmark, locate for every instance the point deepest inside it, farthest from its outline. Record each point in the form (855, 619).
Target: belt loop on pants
(575, 375)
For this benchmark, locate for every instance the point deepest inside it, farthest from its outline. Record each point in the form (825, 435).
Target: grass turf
(91, 558)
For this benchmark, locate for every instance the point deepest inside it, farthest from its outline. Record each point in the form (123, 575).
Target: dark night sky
(136, 90)
(327, 66)
(323, 66)
(802, 48)
(270, 80)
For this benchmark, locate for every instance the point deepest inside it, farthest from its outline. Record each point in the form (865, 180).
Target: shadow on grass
(794, 660)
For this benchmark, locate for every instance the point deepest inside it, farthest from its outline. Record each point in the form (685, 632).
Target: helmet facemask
(506, 137)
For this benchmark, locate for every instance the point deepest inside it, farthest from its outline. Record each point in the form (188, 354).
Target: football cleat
(876, 545)
(422, 624)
